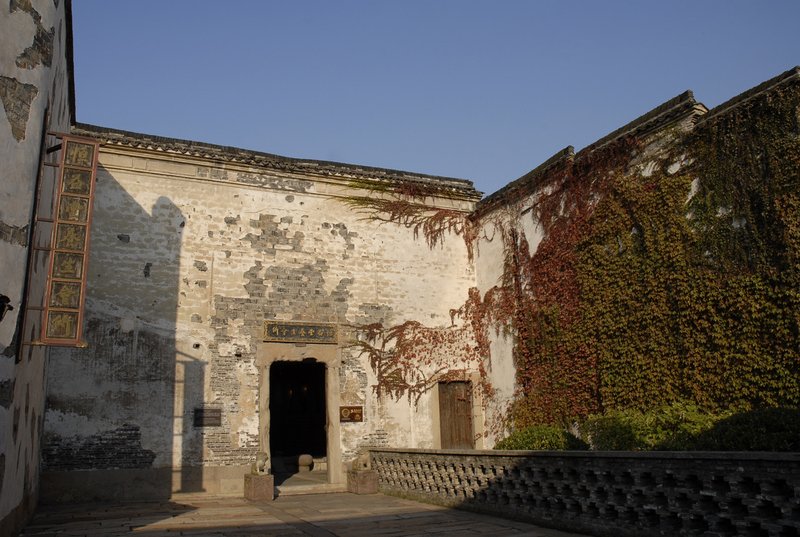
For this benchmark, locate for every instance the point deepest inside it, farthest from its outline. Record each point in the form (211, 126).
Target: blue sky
(478, 89)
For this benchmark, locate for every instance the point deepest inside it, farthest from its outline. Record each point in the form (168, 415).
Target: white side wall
(33, 79)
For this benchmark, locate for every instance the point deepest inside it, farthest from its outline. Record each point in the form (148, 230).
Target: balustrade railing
(608, 493)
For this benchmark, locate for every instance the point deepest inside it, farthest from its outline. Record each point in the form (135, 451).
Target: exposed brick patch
(274, 291)
(78, 404)
(114, 355)
(375, 313)
(353, 381)
(270, 181)
(15, 424)
(117, 448)
(379, 438)
(6, 393)
(41, 50)
(17, 235)
(134, 363)
(273, 235)
(17, 98)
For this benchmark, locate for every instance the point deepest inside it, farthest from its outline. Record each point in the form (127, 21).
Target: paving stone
(320, 515)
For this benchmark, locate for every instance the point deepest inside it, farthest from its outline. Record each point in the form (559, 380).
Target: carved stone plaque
(300, 332)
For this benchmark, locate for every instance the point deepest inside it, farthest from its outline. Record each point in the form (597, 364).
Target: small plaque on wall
(299, 332)
(351, 413)
(207, 417)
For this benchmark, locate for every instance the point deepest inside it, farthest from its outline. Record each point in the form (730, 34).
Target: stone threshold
(321, 488)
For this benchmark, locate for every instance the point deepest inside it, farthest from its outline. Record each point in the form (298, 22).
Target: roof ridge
(667, 112)
(260, 158)
(663, 114)
(559, 157)
(738, 100)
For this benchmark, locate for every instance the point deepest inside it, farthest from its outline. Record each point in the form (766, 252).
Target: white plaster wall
(184, 259)
(489, 259)
(22, 384)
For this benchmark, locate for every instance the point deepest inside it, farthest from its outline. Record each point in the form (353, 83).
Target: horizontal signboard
(300, 332)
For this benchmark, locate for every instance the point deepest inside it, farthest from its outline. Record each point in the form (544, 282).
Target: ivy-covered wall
(660, 264)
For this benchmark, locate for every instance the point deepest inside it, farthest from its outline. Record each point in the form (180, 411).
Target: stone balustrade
(608, 493)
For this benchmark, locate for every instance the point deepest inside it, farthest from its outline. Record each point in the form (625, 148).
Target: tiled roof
(676, 109)
(448, 185)
(792, 75)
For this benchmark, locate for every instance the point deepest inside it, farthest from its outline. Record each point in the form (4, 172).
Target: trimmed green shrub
(766, 429)
(678, 426)
(541, 437)
(675, 426)
(670, 427)
(616, 431)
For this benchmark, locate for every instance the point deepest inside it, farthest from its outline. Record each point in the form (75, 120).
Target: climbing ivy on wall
(668, 270)
(409, 359)
(666, 282)
(404, 203)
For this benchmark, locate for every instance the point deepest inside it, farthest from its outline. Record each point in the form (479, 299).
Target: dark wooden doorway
(297, 409)
(455, 415)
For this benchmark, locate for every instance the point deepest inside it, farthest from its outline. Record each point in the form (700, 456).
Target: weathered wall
(35, 93)
(189, 256)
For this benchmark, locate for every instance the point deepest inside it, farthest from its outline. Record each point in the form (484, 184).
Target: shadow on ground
(340, 514)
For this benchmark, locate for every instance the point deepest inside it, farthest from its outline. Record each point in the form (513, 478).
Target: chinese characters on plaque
(299, 332)
(351, 414)
(67, 278)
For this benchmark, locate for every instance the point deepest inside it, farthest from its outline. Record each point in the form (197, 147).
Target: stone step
(321, 488)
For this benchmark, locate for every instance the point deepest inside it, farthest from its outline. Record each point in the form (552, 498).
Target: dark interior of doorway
(297, 414)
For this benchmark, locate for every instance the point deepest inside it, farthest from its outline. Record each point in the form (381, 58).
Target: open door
(297, 412)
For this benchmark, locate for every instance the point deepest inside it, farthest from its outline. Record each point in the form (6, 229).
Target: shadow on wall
(119, 412)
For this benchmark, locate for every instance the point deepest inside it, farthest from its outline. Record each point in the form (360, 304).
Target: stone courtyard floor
(320, 515)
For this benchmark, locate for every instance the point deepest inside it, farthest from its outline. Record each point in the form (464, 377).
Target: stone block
(362, 481)
(259, 487)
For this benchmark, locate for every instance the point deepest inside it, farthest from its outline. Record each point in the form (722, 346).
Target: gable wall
(188, 258)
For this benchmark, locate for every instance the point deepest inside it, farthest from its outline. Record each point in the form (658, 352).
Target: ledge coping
(576, 454)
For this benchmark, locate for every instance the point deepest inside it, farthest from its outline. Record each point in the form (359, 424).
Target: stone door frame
(329, 355)
(478, 411)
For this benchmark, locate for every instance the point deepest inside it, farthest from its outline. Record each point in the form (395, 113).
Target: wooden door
(455, 415)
